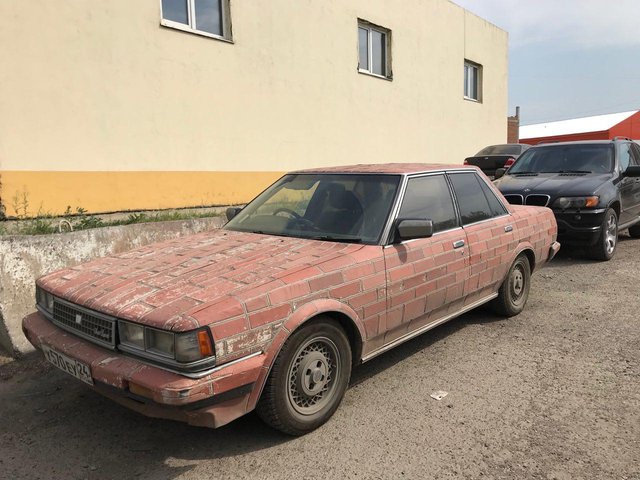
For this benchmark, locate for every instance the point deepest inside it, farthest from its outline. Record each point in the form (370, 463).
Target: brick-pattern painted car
(324, 270)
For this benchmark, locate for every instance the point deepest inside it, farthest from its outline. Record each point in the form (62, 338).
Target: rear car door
(635, 189)
(425, 276)
(489, 229)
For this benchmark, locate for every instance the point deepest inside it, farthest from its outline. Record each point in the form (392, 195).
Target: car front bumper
(217, 398)
(579, 227)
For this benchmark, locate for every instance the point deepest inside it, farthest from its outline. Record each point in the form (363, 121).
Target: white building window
(374, 46)
(472, 81)
(204, 17)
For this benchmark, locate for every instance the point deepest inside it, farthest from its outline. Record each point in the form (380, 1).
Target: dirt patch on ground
(553, 393)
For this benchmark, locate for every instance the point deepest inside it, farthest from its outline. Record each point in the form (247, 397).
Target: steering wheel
(288, 211)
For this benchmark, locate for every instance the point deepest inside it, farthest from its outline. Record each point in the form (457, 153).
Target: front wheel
(605, 247)
(514, 291)
(308, 378)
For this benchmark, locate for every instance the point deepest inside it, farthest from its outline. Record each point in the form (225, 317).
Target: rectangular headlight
(184, 347)
(159, 342)
(44, 299)
(131, 334)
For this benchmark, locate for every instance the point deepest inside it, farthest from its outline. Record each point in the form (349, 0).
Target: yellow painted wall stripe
(50, 192)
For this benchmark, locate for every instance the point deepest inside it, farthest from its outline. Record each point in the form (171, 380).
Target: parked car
(592, 187)
(490, 158)
(324, 270)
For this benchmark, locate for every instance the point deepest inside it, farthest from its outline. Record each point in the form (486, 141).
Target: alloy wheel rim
(611, 234)
(312, 375)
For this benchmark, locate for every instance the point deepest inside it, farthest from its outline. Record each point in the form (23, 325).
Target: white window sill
(186, 28)
(367, 72)
(474, 100)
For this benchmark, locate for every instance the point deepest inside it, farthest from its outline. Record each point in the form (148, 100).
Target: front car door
(489, 229)
(627, 185)
(426, 276)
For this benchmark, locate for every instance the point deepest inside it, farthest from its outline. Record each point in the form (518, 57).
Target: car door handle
(508, 228)
(458, 244)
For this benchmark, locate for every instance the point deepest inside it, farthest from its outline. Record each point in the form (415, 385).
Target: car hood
(166, 284)
(553, 184)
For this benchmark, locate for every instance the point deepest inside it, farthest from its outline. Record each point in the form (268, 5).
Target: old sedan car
(325, 269)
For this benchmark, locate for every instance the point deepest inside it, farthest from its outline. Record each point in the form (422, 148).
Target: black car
(593, 188)
(490, 158)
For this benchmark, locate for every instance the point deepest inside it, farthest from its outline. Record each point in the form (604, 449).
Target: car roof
(388, 168)
(576, 142)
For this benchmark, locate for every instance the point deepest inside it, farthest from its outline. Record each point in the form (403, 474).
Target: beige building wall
(102, 107)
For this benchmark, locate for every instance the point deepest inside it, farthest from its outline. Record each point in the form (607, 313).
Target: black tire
(308, 379)
(514, 291)
(605, 247)
(634, 232)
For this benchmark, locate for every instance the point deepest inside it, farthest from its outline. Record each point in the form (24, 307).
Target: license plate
(73, 367)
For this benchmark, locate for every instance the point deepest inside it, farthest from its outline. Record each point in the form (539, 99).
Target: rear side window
(497, 208)
(430, 198)
(475, 202)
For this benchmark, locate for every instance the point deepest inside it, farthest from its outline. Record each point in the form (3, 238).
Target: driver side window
(624, 156)
(635, 149)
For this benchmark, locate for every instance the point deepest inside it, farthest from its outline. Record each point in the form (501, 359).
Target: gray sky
(568, 58)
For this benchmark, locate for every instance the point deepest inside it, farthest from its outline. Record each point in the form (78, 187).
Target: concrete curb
(24, 258)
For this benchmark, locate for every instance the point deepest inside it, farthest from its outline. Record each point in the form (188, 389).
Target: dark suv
(593, 188)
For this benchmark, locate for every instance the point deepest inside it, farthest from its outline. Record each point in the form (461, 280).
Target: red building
(599, 127)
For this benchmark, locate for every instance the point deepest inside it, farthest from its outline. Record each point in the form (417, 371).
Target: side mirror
(232, 212)
(632, 171)
(409, 228)
(499, 173)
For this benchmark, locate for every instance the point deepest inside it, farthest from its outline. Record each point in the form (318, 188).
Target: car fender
(522, 247)
(299, 317)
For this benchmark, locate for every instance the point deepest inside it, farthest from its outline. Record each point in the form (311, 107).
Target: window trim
(479, 81)
(191, 8)
(371, 27)
(452, 197)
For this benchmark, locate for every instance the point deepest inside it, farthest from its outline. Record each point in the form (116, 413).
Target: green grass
(44, 224)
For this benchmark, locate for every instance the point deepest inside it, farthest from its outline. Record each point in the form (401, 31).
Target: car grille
(514, 199)
(85, 323)
(537, 200)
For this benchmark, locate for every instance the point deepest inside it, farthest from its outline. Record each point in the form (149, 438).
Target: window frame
(447, 183)
(191, 16)
(467, 81)
(370, 27)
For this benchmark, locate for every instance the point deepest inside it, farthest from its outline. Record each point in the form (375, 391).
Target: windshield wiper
(523, 173)
(330, 238)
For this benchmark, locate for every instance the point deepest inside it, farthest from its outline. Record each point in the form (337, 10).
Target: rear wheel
(634, 232)
(514, 291)
(308, 379)
(605, 247)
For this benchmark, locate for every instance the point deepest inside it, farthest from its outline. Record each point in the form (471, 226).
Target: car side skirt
(428, 327)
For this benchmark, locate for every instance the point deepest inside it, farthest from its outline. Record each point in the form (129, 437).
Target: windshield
(338, 207)
(501, 150)
(595, 158)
